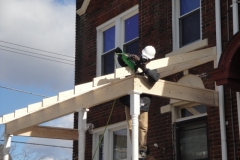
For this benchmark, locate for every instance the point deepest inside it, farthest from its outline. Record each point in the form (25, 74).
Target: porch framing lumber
(112, 91)
(48, 132)
(173, 90)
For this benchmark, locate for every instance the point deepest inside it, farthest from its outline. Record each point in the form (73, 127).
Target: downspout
(220, 88)
(235, 30)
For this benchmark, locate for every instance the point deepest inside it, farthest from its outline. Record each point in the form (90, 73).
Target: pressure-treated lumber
(49, 132)
(177, 91)
(194, 46)
(111, 91)
(86, 100)
(169, 65)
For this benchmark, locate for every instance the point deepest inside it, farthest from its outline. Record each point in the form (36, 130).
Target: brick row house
(182, 131)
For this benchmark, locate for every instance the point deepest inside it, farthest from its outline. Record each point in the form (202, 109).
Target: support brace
(82, 121)
(6, 148)
(135, 111)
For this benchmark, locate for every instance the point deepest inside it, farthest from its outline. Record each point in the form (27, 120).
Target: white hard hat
(149, 52)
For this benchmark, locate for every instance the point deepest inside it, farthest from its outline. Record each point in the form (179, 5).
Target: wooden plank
(86, 100)
(20, 112)
(65, 95)
(49, 101)
(176, 91)
(164, 64)
(49, 132)
(193, 111)
(194, 46)
(83, 9)
(34, 107)
(7, 117)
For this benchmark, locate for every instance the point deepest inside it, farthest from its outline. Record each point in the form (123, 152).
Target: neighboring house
(181, 129)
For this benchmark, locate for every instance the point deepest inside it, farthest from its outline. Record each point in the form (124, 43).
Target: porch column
(6, 147)
(135, 111)
(82, 121)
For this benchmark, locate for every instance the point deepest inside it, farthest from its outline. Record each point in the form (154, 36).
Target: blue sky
(47, 25)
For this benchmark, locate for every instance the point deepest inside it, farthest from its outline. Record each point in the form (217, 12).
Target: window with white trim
(115, 142)
(186, 22)
(121, 31)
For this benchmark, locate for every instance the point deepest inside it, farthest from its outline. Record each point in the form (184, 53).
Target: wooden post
(82, 122)
(135, 111)
(6, 147)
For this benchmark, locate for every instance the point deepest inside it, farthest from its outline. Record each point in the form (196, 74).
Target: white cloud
(46, 25)
(39, 24)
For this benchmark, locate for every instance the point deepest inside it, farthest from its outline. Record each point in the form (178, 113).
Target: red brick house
(181, 130)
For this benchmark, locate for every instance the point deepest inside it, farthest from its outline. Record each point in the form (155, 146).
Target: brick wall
(155, 28)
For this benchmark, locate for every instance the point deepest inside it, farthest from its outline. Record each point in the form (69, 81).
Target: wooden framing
(111, 91)
(48, 132)
(109, 87)
(165, 66)
(83, 9)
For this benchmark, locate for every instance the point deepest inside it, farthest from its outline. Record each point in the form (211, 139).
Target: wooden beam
(169, 65)
(86, 100)
(194, 46)
(177, 91)
(48, 132)
(83, 9)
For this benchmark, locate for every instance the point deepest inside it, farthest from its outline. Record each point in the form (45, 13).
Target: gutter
(220, 88)
(235, 30)
(83, 9)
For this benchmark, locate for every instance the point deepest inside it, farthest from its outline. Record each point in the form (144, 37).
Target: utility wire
(37, 144)
(37, 53)
(36, 57)
(23, 91)
(35, 49)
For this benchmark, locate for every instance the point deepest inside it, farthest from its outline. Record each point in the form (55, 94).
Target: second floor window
(121, 31)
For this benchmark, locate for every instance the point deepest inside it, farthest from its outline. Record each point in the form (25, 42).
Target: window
(186, 22)
(191, 138)
(121, 31)
(117, 142)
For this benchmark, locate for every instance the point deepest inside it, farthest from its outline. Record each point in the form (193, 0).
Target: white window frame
(118, 22)
(108, 140)
(176, 27)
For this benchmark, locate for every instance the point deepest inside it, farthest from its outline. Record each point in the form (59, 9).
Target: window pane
(193, 141)
(101, 148)
(190, 28)
(109, 39)
(108, 63)
(188, 5)
(131, 28)
(120, 144)
(200, 109)
(132, 47)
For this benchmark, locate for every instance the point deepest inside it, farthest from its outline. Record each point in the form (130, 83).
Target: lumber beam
(86, 100)
(194, 46)
(167, 66)
(48, 132)
(177, 91)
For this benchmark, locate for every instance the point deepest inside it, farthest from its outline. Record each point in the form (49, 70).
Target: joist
(165, 66)
(194, 46)
(168, 65)
(112, 91)
(177, 91)
(48, 132)
(86, 100)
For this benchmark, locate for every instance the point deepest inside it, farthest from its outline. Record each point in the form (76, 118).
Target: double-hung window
(115, 144)
(186, 22)
(121, 31)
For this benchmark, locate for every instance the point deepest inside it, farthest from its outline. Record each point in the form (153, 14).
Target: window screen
(120, 144)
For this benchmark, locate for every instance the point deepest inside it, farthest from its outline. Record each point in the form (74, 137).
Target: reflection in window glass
(198, 109)
(131, 28)
(188, 5)
(120, 144)
(131, 47)
(193, 141)
(108, 63)
(190, 26)
(109, 39)
(101, 148)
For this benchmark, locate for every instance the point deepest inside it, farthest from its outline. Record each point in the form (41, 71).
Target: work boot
(142, 155)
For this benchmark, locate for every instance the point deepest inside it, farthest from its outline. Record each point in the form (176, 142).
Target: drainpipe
(235, 30)
(220, 88)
